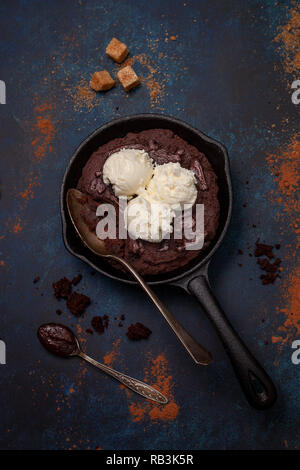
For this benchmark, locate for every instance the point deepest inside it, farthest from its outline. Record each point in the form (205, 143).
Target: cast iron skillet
(256, 384)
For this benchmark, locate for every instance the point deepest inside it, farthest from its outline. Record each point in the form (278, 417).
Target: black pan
(256, 384)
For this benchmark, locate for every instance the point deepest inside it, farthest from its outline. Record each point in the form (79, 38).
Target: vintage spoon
(60, 340)
(97, 246)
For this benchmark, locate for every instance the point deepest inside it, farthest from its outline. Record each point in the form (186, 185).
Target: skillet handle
(255, 382)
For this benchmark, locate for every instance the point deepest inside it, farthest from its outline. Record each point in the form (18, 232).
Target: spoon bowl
(75, 199)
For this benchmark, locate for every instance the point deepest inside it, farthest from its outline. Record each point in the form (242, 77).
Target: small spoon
(60, 340)
(74, 203)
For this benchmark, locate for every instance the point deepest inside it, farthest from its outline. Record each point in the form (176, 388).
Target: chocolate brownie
(163, 146)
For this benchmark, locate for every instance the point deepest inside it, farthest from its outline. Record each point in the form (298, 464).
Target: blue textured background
(220, 77)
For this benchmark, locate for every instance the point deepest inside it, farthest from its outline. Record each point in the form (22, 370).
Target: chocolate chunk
(138, 331)
(105, 319)
(265, 265)
(268, 278)
(100, 323)
(161, 156)
(135, 246)
(76, 279)
(198, 170)
(263, 250)
(164, 246)
(62, 288)
(97, 324)
(58, 311)
(97, 186)
(153, 144)
(36, 279)
(77, 303)
(180, 247)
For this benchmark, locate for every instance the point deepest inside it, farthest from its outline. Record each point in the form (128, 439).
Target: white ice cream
(150, 214)
(172, 184)
(148, 220)
(128, 171)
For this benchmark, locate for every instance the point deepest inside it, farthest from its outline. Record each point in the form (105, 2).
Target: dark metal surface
(224, 74)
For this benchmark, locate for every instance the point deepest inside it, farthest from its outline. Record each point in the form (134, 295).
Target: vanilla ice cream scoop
(128, 171)
(148, 220)
(172, 184)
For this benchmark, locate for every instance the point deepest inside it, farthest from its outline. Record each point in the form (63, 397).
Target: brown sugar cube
(128, 78)
(102, 81)
(116, 50)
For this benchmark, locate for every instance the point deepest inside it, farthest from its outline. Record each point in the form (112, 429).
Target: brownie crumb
(97, 324)
(58, 311)
(277, 246)
(120, 324)
(62, 288)
(77, 303)
(240, 252)
(36, 279)
(105, 319)
(271, 269)
(263, 250)
(90, 331)
(138, 331)
(76, 280)
(122, 317)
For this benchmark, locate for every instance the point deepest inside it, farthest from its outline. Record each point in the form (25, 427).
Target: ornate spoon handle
(136, 385)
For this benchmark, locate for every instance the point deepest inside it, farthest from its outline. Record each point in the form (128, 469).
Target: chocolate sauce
(58, 339)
